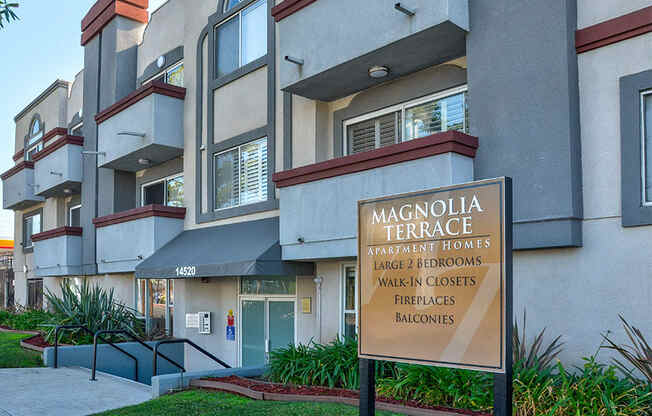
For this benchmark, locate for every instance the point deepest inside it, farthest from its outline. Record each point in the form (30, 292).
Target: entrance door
(267, 324)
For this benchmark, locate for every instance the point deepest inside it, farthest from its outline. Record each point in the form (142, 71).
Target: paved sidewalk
(65, 392)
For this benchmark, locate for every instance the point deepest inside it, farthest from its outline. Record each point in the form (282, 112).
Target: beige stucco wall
(240, 106)
(164, 32)
(76, 97)
(52, 109)
(213, 295)
(590, 12)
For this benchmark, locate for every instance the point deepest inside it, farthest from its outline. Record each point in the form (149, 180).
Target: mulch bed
(274, 388)
(37, 341)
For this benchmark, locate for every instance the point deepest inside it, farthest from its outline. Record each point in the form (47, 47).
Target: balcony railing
(438, 160)
(126, 238)
(143, 129)
(57, 252)
(58, 167)
(18, 187)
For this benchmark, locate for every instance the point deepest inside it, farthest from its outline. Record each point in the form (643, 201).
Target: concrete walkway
(65, 391)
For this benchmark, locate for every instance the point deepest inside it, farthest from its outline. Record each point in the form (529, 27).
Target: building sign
(433, 282)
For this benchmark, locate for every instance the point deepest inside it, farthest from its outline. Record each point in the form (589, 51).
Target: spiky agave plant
(639, 354)
(91, 306)
(534, 355)
(7, 13)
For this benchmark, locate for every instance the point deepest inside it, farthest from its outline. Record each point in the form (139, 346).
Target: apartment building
(208, 159)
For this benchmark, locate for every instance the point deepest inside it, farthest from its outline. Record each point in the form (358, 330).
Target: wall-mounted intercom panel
(204, 322)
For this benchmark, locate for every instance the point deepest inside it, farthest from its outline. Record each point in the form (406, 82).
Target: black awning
(245, 249)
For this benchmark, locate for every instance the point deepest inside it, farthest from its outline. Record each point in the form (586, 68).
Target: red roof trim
(155, 87)
(57, 131)
(105, 10)
(288, 7)
(19, 155)
(73, 140)
(436, 144)
(138, 213)
(614, 30)
(25, 164)
(57, 232)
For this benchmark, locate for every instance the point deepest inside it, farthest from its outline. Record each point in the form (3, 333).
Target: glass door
(267, 324)
(253, 332)
(280, 324)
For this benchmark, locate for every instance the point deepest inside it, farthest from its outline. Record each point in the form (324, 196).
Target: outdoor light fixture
(294, 60)
(67, 191)
(301, 240)
(160, 61)
(403, 9)
(378, 71)
(144, 162)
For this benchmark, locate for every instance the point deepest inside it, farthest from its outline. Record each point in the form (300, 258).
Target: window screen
(74, 220)
(31, 226)
(154, 194)
(228, 47)
(35, 293)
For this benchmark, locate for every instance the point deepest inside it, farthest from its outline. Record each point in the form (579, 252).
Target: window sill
(240, 72)
(269, 205)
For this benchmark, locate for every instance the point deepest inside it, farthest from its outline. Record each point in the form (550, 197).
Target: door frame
(266, 299)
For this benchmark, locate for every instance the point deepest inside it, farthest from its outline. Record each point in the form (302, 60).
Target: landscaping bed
(262, 390)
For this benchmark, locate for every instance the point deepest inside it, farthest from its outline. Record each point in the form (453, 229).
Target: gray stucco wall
(524, 107)
(111, 361)
(60, 256)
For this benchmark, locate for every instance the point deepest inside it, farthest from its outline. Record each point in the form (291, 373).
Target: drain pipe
(318, 281)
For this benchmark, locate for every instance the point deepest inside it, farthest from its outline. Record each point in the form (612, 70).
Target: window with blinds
(408, 121)
(241, 175)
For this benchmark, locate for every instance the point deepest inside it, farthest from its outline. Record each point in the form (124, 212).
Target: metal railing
(68, 327)
(136, 339)
(185, 341)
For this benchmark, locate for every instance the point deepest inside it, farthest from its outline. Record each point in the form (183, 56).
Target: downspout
(318, 281)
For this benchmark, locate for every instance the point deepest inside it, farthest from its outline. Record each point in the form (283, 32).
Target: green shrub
(436, 386)
(534, 355)
(90, 306)
(639, 354)
(24, 319)
(332, 365)
(593, 389)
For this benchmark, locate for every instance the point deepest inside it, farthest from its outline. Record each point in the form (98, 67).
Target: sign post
(435, 283)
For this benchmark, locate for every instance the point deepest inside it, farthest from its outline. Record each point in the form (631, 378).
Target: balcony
(403, 43)
(310, 233)
(126, 238)
(18, 187)
(58, 252)
(143, 129)
(58, 167)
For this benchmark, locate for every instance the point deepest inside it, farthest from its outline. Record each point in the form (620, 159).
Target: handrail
(56, 340)
(186, 341)
(98, 335)
(138, 340)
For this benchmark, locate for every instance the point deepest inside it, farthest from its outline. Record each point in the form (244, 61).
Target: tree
(7, 13)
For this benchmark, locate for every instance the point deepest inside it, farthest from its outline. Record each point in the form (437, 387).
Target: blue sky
(38, 49)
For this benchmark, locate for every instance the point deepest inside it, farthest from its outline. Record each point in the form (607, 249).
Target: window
(268, 286)
(74, 218)
(33, 143)
(33, 150)
(155, 302)
(31, 226)
(35, 293)
(241, 175)
(241, 39)
(172, 76)
(229, 4)
(646, 143)
(167, 191)
(407, 121)
(349, 302)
